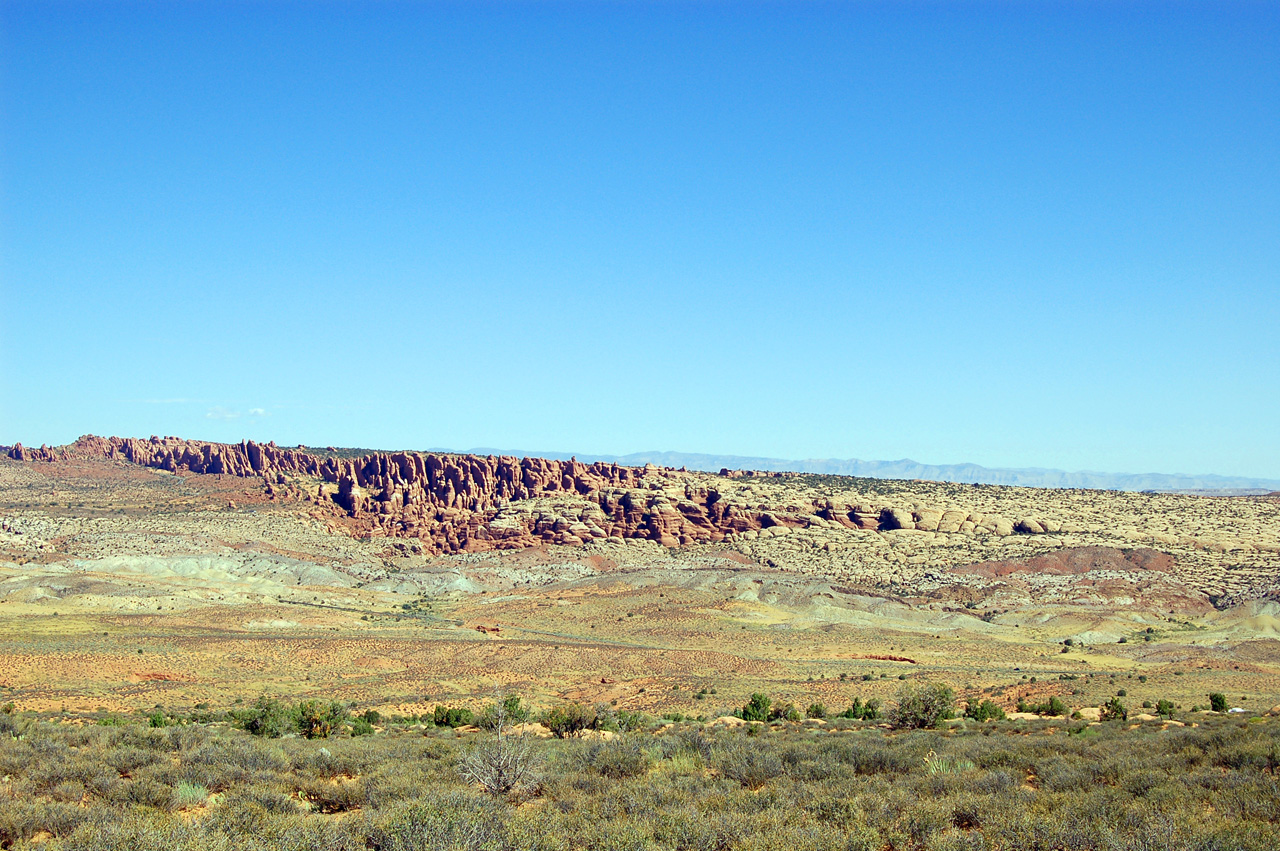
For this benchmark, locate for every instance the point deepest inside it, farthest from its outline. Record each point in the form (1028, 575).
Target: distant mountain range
(1032, 477)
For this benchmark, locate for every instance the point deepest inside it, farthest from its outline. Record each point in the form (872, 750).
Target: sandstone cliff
(473, 503)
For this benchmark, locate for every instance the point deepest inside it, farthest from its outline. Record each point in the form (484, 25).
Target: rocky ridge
(472, 503)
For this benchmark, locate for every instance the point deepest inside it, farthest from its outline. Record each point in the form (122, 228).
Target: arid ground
(124, 587)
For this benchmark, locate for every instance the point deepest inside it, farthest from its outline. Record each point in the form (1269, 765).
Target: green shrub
(816, 710)
(267, 717)
(510, 709)
(985, 710)
(361, 727)
(1114, 710)
(569, 719)
(922, 705)
(450, 716)
(1218, 702)
(315, 719)
(868, 711)
(1165, 708)
(757, 708)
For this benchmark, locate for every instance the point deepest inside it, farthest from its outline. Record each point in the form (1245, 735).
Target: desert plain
(127, 585)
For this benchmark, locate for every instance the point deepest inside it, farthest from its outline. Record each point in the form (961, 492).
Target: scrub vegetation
(1205, 782)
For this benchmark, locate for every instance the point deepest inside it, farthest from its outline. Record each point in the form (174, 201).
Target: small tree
(757, 709)
(816, 710)
(922, 705)
(1165, 708)
(511, 708)
(505, 763)
(985, 710)
(1113, 710)
(868, 711)
(1218, 702)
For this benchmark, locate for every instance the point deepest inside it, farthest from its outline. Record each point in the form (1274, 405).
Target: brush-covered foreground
(1053, 784)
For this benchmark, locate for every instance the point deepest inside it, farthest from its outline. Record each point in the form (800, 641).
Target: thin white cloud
(257, 412)
(220, 413)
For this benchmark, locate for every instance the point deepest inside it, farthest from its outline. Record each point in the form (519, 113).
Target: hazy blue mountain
(1035, 477)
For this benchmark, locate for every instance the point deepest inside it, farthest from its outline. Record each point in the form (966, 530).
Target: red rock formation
(456, 503)
(452, 503)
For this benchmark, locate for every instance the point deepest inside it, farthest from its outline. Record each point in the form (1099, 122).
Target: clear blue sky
(1013, 233)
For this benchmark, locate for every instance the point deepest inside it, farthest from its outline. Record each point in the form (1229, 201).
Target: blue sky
(1013, 234)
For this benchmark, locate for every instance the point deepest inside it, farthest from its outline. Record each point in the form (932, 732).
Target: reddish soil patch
(883, 658)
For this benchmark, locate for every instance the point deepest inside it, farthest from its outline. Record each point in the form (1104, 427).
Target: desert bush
(503, 764)
(12, 725)
(784, 712)
(21, 819)
(757, 708)
(868, 711)
(1218, 702)
(934, 764)
(267, 717)
(991, 787)
(629, 722)
(129, 759)
(330, 795)
(448, 822)
(922, 705)
(816, 710)
(984, 710)
(616, 758)
(690, 744)
(750, 766)
(1053, 707)
(452, 716)
(510, 709)
(235, 759)
(1114, 710)
(143, 792)
(316, 719)
(569, 719)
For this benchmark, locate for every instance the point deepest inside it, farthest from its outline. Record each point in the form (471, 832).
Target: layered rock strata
(472, 503)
